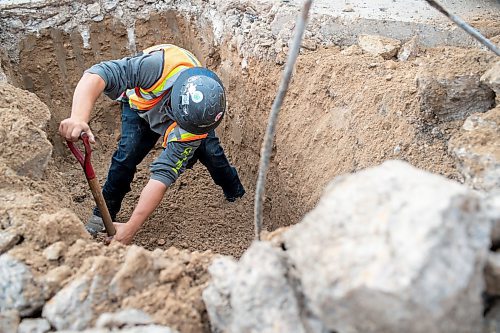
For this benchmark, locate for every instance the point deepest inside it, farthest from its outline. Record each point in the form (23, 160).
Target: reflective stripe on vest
(175, 60)
(176, 134)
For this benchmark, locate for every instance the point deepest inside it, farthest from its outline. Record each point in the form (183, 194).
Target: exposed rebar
(267, 143)
(465, 26)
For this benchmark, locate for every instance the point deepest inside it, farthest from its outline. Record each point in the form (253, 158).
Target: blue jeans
(137, 140)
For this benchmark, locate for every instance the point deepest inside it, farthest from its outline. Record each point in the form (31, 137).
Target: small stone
(38, 325)
(8, 240)
(391, 64)
(124, 318)
(55, 251)
(161, 242)
(94, 9)
(379, 45)
(409, 50)
(388, 77)
(397, 150)
(373, 65)
(309, 44)
(352, 50)
(492, 79)
(348, 8)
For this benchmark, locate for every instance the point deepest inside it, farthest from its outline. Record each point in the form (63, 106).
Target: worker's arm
(164, 172)
(150, 198)
(113, 78)
(86, 93)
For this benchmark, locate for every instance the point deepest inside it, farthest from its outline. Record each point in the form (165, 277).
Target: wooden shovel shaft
(101, 204)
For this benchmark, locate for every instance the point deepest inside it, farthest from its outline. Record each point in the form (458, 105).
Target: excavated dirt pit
(345, 111)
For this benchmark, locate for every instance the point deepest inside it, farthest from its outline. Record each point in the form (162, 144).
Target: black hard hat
(198, 100)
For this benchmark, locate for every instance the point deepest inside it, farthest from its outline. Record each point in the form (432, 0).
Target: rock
(452, 96)
(379, 45)
(255, 297)
(476, 149)
(18, 288)
(137, 272)
(9, 321)
(78, 304)
(55, 251)
(124, 318)
(34, 326)
(217, 294)
(492, 79)
(492, 274)
(54, 279)
(409, 50)
(94, 9)
(348, 8)
(8, 240)
(393, 249)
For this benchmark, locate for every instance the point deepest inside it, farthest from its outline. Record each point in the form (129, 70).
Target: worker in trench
(164, 93)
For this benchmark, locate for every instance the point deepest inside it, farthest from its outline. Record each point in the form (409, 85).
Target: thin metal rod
(267, 144)
(462, 24)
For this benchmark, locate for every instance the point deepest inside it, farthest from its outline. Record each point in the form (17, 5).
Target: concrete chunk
(476, 149)
(39, 325)
(393, 249)
(379, 45)
(19, 289)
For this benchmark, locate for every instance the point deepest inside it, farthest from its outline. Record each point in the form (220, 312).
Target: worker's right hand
(72, 128)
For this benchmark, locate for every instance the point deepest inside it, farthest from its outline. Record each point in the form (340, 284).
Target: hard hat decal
(197, 96)
(185, 99)
(217, 117)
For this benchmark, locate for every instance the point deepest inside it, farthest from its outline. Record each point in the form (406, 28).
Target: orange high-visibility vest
(176, 134)
(175, 59)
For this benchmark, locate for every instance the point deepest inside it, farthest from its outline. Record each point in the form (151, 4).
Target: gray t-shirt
(143, 71)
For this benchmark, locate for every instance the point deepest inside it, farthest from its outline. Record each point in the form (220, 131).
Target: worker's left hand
(124, 233)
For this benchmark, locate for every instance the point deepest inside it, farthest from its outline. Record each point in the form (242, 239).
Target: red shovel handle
(84, 160)
(93, 182)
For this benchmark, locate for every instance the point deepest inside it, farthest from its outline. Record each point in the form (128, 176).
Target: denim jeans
(137, 140)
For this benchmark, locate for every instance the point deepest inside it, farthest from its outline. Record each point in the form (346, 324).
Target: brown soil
(356, 111)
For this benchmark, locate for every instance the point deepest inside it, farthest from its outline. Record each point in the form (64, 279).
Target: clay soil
(345, 111)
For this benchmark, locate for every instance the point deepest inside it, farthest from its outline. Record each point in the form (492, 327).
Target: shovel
(93, 182)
